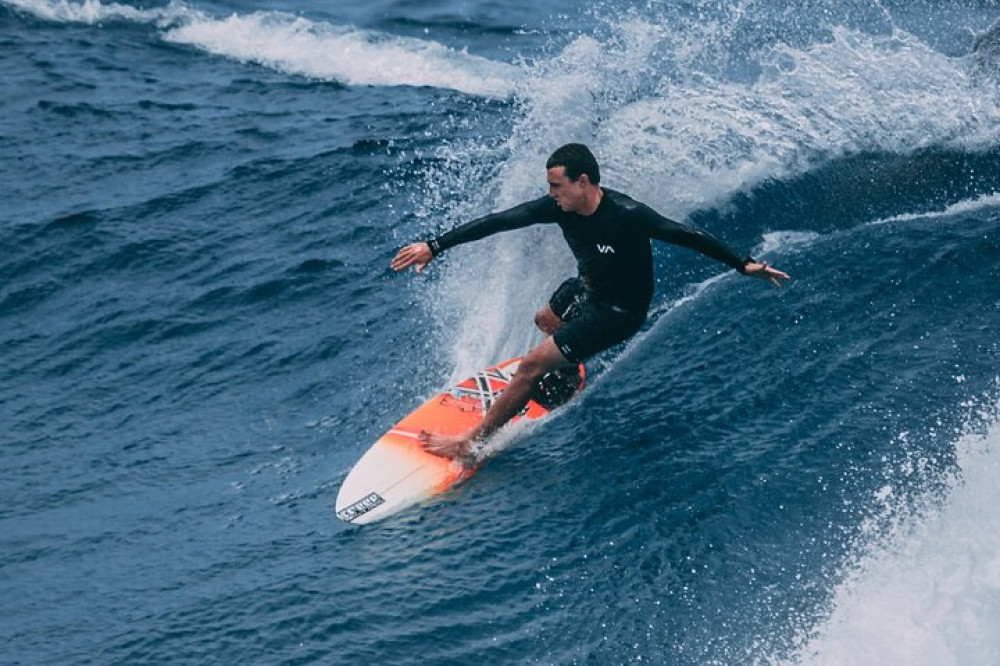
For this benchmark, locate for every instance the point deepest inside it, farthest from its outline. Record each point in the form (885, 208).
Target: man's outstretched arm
(676, 233)
(421, 254)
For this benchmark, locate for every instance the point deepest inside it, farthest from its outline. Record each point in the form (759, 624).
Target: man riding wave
(609, 233)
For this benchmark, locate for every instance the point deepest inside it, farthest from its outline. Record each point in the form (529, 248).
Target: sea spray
(927, 593)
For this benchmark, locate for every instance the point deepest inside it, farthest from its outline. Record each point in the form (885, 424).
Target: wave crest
(298, 46)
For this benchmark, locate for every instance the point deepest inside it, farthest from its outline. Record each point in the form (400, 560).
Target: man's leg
(534, 366)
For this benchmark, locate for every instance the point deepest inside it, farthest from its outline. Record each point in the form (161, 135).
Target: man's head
(578, 160)
(573, 176)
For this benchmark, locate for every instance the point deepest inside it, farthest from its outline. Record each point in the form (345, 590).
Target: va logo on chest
(605, 249)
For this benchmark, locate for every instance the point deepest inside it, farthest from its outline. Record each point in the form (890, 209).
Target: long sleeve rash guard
(612, 246)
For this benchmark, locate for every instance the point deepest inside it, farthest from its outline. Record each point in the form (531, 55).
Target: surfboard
(396, 472)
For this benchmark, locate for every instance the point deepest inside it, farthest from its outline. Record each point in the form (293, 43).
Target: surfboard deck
(396, 472)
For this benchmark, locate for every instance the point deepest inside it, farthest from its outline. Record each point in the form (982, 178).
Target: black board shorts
(589, 327)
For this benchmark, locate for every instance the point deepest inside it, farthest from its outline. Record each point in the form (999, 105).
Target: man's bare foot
(456, 447)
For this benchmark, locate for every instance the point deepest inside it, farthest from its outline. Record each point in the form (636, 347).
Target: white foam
(784, 241)
(709, 138)
(93, 11)
(681, 140)
(296, 45)
(983, 202)
(930, 594)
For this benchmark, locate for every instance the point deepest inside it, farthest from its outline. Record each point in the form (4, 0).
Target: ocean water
(200, 334)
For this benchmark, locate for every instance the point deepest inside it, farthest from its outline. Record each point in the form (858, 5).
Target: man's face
(569, 196)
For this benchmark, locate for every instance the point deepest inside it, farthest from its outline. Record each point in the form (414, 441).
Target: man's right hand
(415, 254)
(765, 272)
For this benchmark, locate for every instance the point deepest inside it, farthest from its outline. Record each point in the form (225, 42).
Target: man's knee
(547, 321)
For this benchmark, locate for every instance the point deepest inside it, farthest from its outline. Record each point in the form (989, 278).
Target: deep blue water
(200, 334)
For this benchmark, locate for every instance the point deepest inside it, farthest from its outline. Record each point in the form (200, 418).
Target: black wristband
(435, 247)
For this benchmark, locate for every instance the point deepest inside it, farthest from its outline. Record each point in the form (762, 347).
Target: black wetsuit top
(611, 246)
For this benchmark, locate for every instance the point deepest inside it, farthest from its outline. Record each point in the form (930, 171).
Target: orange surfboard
(397, 472)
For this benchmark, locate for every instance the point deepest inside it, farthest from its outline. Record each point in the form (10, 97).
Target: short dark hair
(578, 160)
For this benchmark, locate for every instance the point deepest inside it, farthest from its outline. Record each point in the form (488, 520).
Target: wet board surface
(396, 472)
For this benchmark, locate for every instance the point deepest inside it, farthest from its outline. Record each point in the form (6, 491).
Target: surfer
(609, 234)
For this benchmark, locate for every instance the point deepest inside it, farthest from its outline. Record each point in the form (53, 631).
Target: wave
(93, 11)
(930, 592)
(295, 45)
(689, 139)
(355, 57)
(858, 93)
(709, 137)
(986, 52)
(983, 202)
